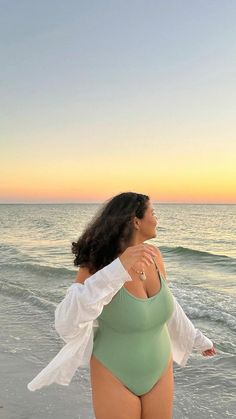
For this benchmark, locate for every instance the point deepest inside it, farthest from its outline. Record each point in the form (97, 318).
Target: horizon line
(97, 203)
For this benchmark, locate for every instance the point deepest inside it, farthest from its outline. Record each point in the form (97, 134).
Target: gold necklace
(142, 274)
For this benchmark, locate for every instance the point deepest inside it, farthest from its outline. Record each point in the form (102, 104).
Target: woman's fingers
(146, 256)
(209, 352)
(149, 253)
(141, 254)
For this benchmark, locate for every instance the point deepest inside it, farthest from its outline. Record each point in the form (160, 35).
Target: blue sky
(150, 81)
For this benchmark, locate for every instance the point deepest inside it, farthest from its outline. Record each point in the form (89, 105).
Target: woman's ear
(136, 223)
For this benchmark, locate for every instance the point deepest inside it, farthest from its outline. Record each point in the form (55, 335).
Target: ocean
(197, 242)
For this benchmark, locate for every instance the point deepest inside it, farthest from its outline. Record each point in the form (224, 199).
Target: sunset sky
(103, 97)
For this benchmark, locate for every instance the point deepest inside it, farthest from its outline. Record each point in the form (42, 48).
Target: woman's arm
(84, 302)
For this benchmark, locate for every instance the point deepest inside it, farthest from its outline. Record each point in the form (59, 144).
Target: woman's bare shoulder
(156, 250)
(82, 274)
(159, 260)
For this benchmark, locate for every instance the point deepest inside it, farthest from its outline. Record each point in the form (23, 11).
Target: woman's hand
(209, 352)
(140, 256)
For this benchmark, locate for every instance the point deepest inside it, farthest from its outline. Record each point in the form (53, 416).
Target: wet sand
(52, 402)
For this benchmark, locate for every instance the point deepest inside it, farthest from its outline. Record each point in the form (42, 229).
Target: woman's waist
(133, 350)
(113, 334)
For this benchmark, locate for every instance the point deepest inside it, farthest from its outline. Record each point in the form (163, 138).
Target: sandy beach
(53, 402)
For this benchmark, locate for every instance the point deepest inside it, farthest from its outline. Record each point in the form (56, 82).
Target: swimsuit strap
(155, 264)
(158, 270)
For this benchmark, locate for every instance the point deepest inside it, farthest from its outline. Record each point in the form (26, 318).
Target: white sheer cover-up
(75, 321)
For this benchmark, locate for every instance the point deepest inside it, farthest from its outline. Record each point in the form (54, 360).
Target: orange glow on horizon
(98, 181)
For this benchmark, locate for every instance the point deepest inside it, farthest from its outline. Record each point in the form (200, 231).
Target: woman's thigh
(111, 399)
(158, 402)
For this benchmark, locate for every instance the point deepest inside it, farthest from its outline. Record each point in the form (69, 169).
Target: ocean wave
(10, 249)
(23, 294)
(49, 271)
(206, 305)
(221, 260)
(211, 314)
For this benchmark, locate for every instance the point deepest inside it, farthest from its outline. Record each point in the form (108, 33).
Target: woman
(121, 291)
(131, 365)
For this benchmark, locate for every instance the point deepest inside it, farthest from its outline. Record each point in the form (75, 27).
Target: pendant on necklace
(142, 276)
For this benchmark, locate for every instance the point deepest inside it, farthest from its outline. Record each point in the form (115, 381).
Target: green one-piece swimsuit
(132, 338)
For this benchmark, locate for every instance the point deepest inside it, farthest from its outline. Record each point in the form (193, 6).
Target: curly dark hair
(107, 235)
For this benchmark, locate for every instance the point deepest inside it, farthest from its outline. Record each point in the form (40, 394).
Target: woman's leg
(111, 399)
(158, 402)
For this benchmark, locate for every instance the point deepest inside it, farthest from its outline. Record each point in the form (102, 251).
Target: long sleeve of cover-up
(184, 336)
(84, 302)
(74, 317)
